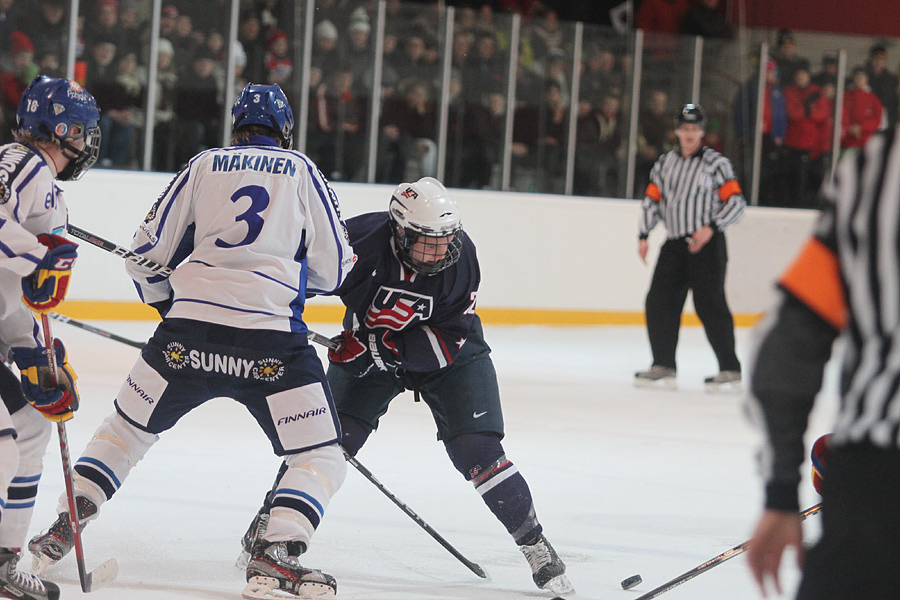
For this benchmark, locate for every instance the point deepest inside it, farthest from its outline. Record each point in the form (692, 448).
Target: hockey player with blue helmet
(250, 232)
(56, 137)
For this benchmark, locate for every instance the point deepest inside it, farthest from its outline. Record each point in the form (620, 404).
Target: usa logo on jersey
(397, 309)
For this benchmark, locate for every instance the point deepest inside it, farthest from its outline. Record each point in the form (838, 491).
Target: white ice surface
(625, 481)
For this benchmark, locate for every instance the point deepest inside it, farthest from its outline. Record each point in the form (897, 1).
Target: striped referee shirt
(688, 193)
(845, 281)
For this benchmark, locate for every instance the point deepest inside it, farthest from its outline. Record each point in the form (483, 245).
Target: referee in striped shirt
(845, 281)
(694, 192)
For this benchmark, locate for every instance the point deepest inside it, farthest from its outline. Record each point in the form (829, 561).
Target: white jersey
(30, 204)
(262, 229)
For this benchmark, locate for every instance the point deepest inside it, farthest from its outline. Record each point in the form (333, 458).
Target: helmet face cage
(61, 110)
(414, 246)
(691, 113)
(264, 105)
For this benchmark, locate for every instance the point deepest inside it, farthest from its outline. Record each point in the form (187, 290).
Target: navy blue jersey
(429, 315)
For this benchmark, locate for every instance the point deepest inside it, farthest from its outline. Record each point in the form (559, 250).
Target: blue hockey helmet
(264, 105)
(61, 110)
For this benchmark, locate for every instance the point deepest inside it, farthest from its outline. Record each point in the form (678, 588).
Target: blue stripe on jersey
(101, 466)
(19, 505)
(165, 214)
(10, 253)
(299, 302)
(329, 209)
(9, 431)
(27, 179)
(255, 312)
(31, 479)
(263, 275)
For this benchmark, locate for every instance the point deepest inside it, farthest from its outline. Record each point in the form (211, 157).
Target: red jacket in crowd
(807, 110)
(862, 108)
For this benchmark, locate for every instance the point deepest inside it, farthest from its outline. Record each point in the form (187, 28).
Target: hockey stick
(713, 562)
(92, 329)
(108, 571)
(419, 521)
(155, 267)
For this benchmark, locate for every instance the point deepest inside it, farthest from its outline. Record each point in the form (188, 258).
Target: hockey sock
(27, 455)
(481, 459)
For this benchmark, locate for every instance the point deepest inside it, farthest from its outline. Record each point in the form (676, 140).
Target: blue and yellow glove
(55, 403)
(47, 285)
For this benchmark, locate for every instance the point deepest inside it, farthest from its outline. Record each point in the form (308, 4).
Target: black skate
(254, 533)
(49, 548)
(656, 376)
(22, 586)
(548, 570)
(725, 381)
(275, 572)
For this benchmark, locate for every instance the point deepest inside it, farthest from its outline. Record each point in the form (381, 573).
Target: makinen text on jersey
(259, 162)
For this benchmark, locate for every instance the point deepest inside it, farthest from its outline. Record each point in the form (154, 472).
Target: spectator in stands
(862, 112)
(611, 149)
(198, 109)
(774, 129)
(539, 143)
(119, 116)
(787, 58)
(547, 33)
(185, 43)
(14, 78)
(10, 20)
(279, 66)
(407, 150)
(163, 131)
(822, 155)
(167, 22)
(339, 121)
(326, 53)
(254, 44)
(705, 18)
(807, 110)
(132, 28)
(656, 135)
(47, 27)
(414, 64)
(556, 70)
(828, 74)
(486, 70)
(600, 77)
(104, 24)
(883, 83)
(49, 64)
(358, 53)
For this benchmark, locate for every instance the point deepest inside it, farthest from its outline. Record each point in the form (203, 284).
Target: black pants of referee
(856, 557)
(678, 271)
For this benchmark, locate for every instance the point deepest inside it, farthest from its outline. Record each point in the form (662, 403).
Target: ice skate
(254, 533)
(656, 376)
(22, 586)
(49, 548)
(274, 571)
(548, 570)
(725, 381)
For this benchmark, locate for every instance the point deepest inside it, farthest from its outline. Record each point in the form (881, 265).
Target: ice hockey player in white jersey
(57, 137)
(250, 231)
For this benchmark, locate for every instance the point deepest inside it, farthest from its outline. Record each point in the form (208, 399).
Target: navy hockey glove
(46, 286)
(55, 403)
(351, 353)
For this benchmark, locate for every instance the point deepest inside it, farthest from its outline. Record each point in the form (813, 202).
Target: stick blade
(101, 576)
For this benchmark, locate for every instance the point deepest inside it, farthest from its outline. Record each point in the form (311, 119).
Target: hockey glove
(55, 403)
(384, 353)
(351, 353)
(819, 456)
(46, 286)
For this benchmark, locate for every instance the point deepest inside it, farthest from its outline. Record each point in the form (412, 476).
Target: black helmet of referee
(691, 113)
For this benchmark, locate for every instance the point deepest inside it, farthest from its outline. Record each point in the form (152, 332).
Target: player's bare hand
(775, 531)
(700, 239)
(643, 246)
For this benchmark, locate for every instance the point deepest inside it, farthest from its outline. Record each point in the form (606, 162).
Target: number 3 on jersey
(259, 200)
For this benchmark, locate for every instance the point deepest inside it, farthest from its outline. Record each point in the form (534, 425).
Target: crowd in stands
(112, 57)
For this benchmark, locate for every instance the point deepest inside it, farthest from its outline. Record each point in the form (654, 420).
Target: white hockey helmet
(424, 211)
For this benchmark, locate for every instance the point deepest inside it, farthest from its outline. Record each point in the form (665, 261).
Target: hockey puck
(630, 582)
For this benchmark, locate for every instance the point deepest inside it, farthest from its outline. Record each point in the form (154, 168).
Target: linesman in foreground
(845, 281)
(694, 192)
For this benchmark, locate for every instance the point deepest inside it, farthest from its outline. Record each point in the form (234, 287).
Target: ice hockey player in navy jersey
(57, 137)
(250, 231)
(410, 324)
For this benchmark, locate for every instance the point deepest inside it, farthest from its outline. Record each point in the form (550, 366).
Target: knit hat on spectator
(274, 36)
(114, 4)
(326, 30)
(169, 12)
(165, 47)
(360, 25)
(20, 42)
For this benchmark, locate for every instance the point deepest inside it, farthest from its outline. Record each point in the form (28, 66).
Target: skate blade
(39, 563)
(265, 588)
(560, 586)
(724, 388)
(666, 383)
